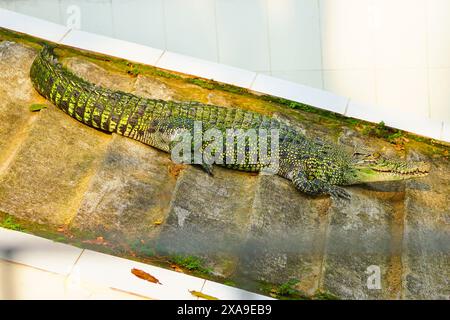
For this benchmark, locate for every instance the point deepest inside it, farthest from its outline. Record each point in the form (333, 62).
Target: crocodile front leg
(316, 186)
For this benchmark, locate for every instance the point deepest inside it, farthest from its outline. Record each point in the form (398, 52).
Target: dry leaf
(175, 169)
(145, 276)
(37, 107)
(176, 268)
(202, 295)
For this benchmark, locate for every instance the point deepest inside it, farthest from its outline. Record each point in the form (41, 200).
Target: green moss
(288, 289)
(307, 108)
(6, 34)
(134, 71)
(191, 263)
(284, 291)
(229, 283)
(9, 223)
(323, 295)
(214, 85)
(382, 131)
(201, 83)
(142, 248)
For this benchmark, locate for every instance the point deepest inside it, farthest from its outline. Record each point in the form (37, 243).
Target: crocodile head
(374, 168)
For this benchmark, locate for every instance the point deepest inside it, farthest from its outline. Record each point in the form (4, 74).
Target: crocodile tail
(48, 55)
(92, 105)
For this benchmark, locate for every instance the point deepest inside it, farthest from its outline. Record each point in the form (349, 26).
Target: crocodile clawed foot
(340, 194)
(208, 168)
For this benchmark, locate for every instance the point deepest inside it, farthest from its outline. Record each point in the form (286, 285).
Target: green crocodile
(315, 167)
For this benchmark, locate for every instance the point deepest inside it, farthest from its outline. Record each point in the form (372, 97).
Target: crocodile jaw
(374, 173)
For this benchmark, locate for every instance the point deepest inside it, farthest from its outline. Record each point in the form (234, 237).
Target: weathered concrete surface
(49, 172)
(49, 160)
(427, 233)
(153, 88)
(285, 237)
(359, 238)
(131, 184)
(209, 216)
(16, 92)
(98, 75)
(249, 228)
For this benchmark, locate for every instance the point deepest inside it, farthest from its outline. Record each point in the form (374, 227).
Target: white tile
(346, 34)
(139, 21)
(400, 33)
(223, 292)
(439, 33)
(294, 32)
(242, 34)
(111, 294)
(205, 69)
(405, 121)
(359, 85)
(311, 78)
(367, 112)
(32, 26)
(446, 132)
(413, 123)
(191, 28)
(116, 273)
(440, 94)
(113, 47)
(37, 252)
(42, 9)
(297, 92)
(403, 91)
(28, 283)
(96, 16)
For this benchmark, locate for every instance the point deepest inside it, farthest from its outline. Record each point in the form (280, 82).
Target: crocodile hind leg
(318, 187)
(205, 161)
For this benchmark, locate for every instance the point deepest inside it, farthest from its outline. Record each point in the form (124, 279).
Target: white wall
(388, 54)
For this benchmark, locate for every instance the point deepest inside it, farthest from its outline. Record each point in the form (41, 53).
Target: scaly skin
(315, 167)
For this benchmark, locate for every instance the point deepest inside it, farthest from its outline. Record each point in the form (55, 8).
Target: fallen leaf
(176, 268)
(37, 107)
(175, 169)
(202, 295)
(145, 276)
